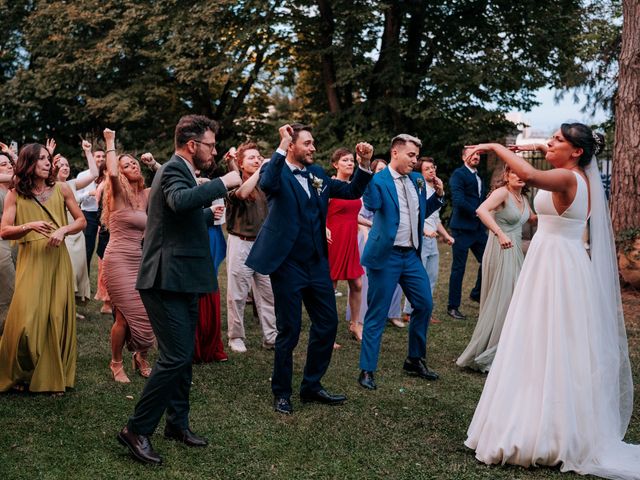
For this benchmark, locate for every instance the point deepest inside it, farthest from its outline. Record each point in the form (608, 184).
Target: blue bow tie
(304, 173)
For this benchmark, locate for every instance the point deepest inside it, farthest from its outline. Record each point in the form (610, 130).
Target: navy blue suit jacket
(381, 197)
(286, 198)
(465, 199)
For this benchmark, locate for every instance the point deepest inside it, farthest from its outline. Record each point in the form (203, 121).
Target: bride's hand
(530, 147)
(471, 150)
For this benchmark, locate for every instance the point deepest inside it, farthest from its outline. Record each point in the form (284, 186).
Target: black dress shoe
(455, 313)
(475, 298)
(322, 396)
(282, 405)
(419, 367)
(185, 436)
(365, 379)
(139, 446)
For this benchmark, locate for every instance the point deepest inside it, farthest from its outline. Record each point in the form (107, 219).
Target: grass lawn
(407, 429)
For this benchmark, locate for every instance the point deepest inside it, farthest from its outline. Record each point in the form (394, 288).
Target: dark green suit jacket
(175, 254)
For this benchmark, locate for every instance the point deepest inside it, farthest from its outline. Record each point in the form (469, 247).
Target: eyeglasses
(211, 146)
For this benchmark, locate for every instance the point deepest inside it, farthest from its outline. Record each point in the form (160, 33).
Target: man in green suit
(176, 266)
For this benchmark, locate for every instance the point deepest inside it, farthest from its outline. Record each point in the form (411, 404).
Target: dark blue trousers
(173, 317)
(406, 269)
(474, 240)
(295, 283)
(90, 234)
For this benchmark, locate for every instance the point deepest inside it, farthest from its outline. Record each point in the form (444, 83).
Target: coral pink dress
(342, 221)
(120, 266)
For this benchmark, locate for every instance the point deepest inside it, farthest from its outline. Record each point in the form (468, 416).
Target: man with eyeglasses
(176, 266)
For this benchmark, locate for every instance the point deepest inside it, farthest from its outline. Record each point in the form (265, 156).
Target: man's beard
(304, 160)
(202, 163)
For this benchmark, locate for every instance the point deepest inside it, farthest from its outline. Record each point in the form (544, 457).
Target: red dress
(342, 221)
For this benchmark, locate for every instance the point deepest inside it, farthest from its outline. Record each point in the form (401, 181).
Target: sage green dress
(38, 346)
(500, 271)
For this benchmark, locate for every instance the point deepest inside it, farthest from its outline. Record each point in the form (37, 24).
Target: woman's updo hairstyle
(581, 136)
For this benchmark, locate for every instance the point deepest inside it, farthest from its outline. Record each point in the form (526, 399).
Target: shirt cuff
(281, 152)
(364, 169)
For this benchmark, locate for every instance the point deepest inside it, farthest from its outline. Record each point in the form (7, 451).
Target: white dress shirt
(433, 220)
(88, 202)
(403, 235)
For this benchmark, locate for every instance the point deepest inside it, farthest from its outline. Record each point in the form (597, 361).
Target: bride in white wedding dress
(559, 391)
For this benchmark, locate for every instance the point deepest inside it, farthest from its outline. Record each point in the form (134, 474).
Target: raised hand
(286, 132)
(147, 159)
(286, 136)
(231, 160)
(50, 145)
(86, 146)
(231, 180)
(531, 147)
(364, 152)
(109, 135)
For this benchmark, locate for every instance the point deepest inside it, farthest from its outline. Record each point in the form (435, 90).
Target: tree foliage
(445, 70)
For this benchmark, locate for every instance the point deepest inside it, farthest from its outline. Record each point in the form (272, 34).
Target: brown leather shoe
(185, 436)
(139, 446)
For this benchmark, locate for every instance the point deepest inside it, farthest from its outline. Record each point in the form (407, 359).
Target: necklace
(517, 197)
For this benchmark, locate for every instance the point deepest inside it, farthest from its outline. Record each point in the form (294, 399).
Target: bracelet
(110, 150)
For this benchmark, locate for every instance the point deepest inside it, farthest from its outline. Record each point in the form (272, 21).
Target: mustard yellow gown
(38, 347)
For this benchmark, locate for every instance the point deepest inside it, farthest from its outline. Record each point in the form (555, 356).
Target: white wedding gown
(552, 395)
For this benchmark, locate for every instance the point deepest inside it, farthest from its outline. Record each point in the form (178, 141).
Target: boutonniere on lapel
(420, 183)
(316, 183)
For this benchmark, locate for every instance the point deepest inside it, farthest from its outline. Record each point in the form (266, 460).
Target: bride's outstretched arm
(556, 180)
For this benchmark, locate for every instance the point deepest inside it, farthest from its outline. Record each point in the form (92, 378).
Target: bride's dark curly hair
(24, 179)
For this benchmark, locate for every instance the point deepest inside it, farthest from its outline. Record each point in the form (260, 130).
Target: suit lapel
(391, 187)
(300, 194)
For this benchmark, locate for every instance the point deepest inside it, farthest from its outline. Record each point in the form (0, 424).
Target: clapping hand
(364, 152)
(50, 145)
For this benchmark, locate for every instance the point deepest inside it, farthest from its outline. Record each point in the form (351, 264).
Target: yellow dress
(38, 346)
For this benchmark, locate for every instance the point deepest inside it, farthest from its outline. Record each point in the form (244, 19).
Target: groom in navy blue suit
(292, 249)
(397, 196)
(467, 193)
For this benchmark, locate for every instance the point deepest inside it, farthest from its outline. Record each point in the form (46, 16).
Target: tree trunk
(328, 64)
(386, 81)
(625, 177)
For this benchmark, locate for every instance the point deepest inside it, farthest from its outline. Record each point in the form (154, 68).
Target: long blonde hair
(131, 198)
